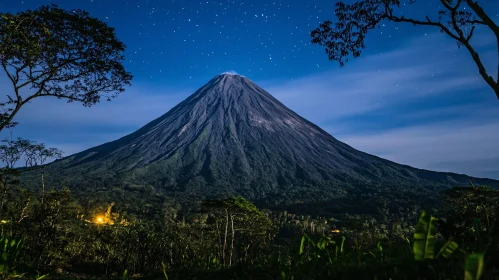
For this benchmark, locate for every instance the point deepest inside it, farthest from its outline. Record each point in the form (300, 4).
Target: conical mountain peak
(228, 78)
(225, 80)
(229, 86)
(233, 137)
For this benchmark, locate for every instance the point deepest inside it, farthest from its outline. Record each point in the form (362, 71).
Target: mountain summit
(233, 137)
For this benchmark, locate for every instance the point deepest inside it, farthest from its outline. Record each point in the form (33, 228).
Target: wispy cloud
(423, 104)
(418, 71)
(443, 145)
(73, 128)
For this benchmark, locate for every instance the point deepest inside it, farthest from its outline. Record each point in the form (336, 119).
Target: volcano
(232, 137)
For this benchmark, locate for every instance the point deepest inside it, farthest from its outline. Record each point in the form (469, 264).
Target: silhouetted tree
(53, 52)
(240, 227)
(34, 155)
(346, 36)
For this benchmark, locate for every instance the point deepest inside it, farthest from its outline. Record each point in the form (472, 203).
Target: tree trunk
(225, 238)
(232, 241)
(43, 186)
(219, 237)
(497, 80)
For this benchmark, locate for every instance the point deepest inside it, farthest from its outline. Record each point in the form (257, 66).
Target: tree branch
(426, 23)
(491, 24)
(461, 39)
(53, 70)
(481, 13)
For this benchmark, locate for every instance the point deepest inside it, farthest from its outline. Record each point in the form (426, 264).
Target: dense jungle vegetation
(50, 234)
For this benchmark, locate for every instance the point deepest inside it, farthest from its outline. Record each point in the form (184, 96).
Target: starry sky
(412, 97)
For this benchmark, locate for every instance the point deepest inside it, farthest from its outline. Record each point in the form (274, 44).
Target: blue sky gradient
(412, 97)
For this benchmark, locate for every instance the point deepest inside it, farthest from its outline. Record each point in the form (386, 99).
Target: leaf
(20, 243)
(302, 243)
(447, 249)
(322, 243)
(164, 270)
(380, 248)
(424, 237)
(343, 238)
(473, 268)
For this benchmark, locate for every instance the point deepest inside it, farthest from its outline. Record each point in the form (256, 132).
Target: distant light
(99, 220)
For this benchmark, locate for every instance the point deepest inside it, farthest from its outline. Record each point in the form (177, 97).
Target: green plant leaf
(380, 248)
(322, 243)
(473, 268)
(424, 237)
(164, 270)
(41, 277)
(447, 249)
(20, 243)
(304, 239)
(302, 245)
(343, 238)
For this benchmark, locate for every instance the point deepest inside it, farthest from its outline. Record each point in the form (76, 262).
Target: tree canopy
(53, 52)
(346, 36)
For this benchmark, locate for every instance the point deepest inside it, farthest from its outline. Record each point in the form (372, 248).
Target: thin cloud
(443, 146)
(422, 104)
(132, 108)
(73, 128)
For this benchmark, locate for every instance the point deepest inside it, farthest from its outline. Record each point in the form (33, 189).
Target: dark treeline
(55, 234)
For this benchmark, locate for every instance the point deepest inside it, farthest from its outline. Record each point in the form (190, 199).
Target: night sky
(412, 97)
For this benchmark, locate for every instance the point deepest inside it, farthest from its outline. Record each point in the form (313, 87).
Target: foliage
(66, 54)
(34, 156)
(242, 230)
(457, 19)
(10, 252)
(223, 239)
(424, 237)
(474, 267)
(471, 212)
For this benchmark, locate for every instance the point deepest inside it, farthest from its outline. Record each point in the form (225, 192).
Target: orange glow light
(99, 220)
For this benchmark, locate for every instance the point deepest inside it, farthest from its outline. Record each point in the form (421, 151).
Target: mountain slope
(232, 137)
